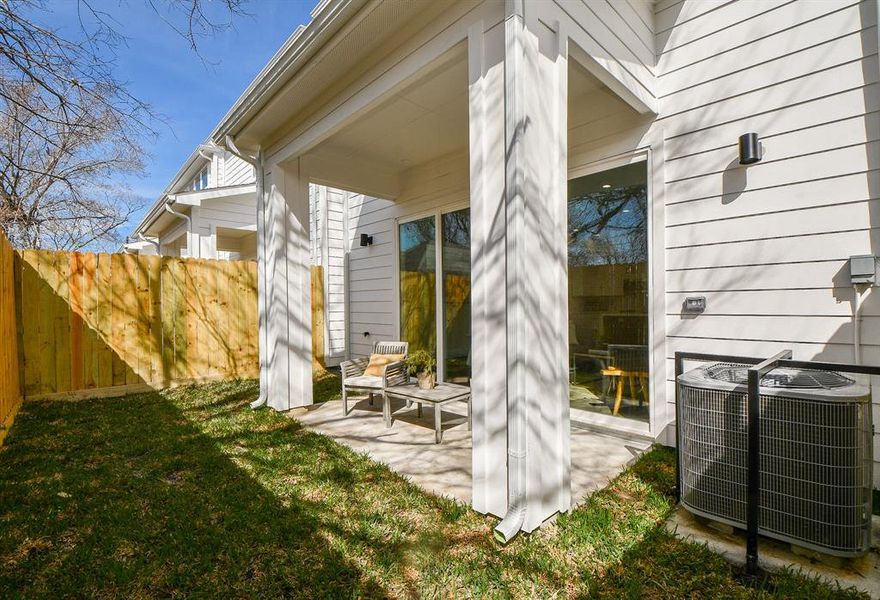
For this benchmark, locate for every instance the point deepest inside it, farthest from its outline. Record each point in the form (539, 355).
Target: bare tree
(69, 128)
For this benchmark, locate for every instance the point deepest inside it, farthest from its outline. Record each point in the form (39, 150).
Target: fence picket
(99, 321)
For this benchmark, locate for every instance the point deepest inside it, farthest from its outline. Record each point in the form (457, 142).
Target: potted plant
(422, 364)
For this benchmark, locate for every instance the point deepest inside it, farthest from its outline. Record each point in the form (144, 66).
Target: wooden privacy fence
(98, 321)
(10, 387)
(101, 324)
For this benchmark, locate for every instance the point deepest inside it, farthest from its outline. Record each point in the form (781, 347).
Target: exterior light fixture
(366, 240)
(749, 149)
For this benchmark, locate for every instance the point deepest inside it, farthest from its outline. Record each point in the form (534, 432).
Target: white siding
(236, 171)
(327, 248)
(232, 213)
(372, 275)
(767, 245)
(334, 282)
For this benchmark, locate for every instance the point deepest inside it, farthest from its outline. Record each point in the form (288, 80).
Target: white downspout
(168, 208)
(257, 162)
(143, 238)
(857, 325)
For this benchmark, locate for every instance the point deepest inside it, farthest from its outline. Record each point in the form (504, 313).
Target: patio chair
(628, 364)
(354, 378)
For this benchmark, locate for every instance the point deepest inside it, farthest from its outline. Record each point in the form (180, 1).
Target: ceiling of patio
(428, 120)
(424, 121)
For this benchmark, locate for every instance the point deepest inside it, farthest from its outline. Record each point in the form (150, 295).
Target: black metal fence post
(753, 486)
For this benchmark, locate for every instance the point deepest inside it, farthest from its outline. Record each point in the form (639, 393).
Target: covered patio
(445, 469)
(457, 147)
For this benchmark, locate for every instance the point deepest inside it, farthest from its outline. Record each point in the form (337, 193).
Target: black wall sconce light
(749, 149)
(366, 240)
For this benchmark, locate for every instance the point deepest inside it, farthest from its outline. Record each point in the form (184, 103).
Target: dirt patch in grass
(190, 492)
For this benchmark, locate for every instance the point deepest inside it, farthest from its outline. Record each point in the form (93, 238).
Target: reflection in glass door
(608, 292)
(421, 297)
(456, 261)
(418, 267)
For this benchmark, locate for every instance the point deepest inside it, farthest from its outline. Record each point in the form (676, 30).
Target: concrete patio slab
(408, 446)
(863, 573)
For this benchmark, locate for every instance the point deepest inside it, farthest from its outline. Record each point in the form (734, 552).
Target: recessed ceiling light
(606, 186)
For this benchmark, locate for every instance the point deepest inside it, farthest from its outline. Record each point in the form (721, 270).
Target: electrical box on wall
(863, 269)
(695, 304)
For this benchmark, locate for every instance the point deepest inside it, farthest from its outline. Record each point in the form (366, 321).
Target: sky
(192, 91)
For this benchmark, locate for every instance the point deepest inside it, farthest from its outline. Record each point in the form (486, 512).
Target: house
(209, 210)
(586, 153)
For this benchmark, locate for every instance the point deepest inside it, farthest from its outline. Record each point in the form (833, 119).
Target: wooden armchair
(354, 379)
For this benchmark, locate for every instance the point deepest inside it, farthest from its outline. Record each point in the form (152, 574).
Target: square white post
(488, 315)
(518, 160)
(287, 361)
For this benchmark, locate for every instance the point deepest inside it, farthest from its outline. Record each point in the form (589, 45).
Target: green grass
(189, 492)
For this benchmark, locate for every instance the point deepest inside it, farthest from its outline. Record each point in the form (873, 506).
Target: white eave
(230, 191)
(158, 207)
(327, 18)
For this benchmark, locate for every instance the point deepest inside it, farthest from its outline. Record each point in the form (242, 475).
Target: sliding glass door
(424, 254)
(418, 284)
(456, 295)
(608, 294)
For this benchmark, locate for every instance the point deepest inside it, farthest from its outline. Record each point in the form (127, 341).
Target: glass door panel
(456, 261)
(608, 292)
(418, 305)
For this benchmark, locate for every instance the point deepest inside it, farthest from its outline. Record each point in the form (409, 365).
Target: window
(200, 181)
(418, 284)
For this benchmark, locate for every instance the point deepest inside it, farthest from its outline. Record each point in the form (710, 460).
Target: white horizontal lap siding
(372, 280)
(334, 264)
(237, 171)
(616, 34)
(767, 245)
(315, 227)
(231, 214)
(370, 272)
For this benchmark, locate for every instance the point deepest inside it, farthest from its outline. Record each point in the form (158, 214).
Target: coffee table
(443, 393)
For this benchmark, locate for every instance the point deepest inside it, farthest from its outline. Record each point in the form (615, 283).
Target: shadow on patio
(408, 446)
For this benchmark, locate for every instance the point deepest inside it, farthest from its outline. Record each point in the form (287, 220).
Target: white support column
(287, 281)
(262, 304)
(488, 351)
(519, 245)
(537, 256)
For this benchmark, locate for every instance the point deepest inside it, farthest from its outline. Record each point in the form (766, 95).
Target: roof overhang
(231, 192)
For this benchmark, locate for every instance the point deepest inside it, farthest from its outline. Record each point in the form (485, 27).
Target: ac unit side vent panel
(816, 455)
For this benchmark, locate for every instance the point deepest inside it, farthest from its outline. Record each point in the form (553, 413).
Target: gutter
(189, 229)
(328, 17)
(142, 238)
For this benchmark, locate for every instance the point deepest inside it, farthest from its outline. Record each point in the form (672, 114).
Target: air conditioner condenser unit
(816, 454)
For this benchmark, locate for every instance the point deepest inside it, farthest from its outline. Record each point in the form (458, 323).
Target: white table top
(440, 393)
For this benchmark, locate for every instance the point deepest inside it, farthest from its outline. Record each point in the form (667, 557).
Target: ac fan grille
(783, 378)
(815, 466)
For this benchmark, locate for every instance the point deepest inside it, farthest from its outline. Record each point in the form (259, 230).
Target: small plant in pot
(422, 364)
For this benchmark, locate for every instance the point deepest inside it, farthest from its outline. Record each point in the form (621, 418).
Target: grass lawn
(189, 492)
